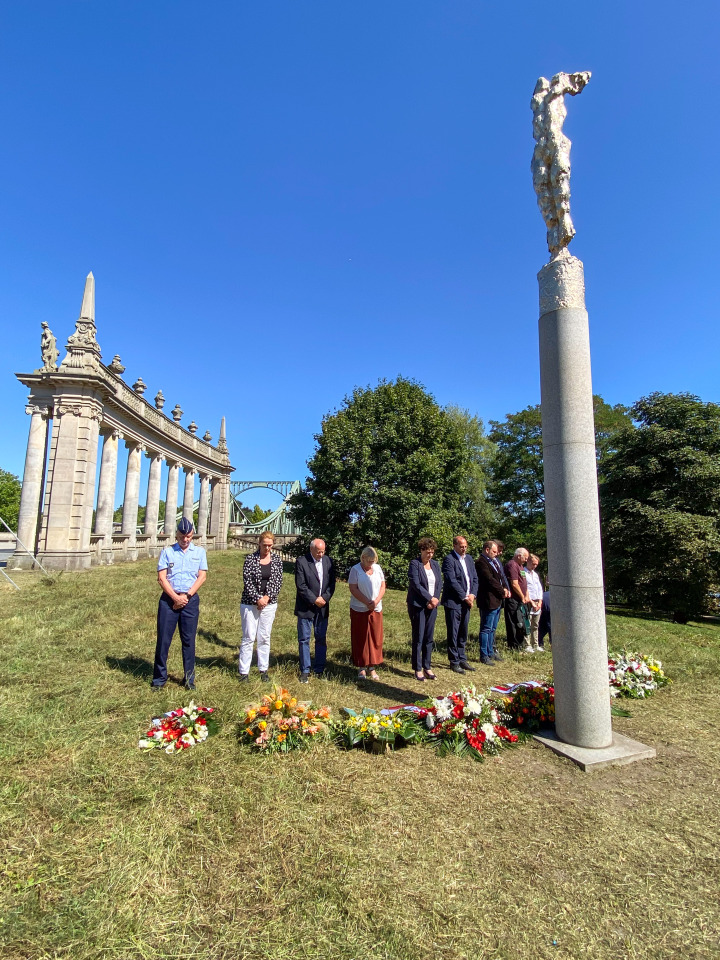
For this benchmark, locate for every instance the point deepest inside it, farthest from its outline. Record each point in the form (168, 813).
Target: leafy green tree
(480, 516)
(516, 488)
(661, 505)
(256, 514)
(10, 488)
(389, 466)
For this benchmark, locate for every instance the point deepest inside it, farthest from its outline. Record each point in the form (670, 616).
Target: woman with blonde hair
(367, 588)
(262, 579)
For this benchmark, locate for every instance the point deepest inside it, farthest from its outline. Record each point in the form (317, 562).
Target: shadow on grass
(213, 638)
(135, 666)
(655, 615)
(226, 664)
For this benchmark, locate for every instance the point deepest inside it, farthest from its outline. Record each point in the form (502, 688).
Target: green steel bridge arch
(279, 521)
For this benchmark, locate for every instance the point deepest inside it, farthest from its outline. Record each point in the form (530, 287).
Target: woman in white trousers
(262, 579)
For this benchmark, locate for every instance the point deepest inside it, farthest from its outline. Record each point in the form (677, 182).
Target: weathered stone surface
(622, 750)
(79, 399)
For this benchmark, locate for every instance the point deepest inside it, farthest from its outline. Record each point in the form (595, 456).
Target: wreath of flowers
(280, 723)
(466, 722)
(180, 729)
(529, 705)
(377, 730)
(635, 675)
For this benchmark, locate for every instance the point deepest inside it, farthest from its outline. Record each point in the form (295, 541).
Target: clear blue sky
(281, 200)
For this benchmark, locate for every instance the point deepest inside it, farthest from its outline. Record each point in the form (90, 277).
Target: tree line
(391, 465)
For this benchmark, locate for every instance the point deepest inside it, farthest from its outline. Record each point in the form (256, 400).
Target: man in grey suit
(315, 582)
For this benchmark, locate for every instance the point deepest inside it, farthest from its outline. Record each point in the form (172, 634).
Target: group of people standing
(457, 586)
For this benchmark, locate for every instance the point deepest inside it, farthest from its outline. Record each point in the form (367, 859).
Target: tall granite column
(106, 492)
(203, 506)
(152, 503)
(171, 500)
(132, 496)
(32, 485)
(189, 498)
(579, 642)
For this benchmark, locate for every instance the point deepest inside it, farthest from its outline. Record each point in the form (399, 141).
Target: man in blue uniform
(182, 570)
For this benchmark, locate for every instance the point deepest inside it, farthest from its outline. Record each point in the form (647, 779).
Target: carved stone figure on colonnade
(48, 349)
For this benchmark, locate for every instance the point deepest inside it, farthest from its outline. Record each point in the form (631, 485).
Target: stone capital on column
(45, 410)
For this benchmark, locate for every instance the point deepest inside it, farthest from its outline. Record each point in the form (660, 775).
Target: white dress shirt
(463, 561)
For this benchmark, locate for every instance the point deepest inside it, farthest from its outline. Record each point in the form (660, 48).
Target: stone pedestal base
(65, 560)
(623, 750)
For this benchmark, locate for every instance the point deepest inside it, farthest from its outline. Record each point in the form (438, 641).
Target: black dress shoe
(496, 656)
(467, 668)
(456, 668)
(265, 677)
(244, 678)
(487, 661)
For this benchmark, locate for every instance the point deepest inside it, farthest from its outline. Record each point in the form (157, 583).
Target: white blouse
(431, 581)
(368, 584)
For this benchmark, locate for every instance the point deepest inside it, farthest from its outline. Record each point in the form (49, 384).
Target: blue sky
(281, 200)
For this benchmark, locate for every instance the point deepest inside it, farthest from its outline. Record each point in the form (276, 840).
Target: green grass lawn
(219, 853)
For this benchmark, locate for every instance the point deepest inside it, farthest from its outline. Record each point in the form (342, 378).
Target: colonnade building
(72, 406)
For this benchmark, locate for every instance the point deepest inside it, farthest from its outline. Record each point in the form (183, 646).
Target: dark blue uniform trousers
(186, 619)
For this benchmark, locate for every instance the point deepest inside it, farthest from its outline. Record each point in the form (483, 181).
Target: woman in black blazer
(422, 603)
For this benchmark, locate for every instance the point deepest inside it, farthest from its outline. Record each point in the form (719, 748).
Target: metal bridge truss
(279, 521)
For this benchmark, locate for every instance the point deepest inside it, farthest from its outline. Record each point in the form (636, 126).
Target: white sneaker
(528, 650)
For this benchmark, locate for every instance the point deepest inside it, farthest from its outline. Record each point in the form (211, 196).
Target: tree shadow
(649, 615)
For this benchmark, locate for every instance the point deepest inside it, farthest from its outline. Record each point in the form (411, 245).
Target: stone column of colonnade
(171, 500)
(203, 506)
(32, 485)
(64, 541)
(189, 496)
(152, 502)
(132, 496)
(106, 492)
(219, 511)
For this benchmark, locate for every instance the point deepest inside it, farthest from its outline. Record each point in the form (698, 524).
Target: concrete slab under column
(623, 750)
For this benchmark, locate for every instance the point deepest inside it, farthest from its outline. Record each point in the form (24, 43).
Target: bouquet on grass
(279, 723)
(634, 675)
(377, 730)
(529, 705)
(465, 722)
(180, 729)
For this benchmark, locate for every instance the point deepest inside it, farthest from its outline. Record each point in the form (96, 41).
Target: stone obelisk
(577, 597)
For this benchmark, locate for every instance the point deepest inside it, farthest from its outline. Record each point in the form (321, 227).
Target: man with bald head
(315, 582)
(515, 605)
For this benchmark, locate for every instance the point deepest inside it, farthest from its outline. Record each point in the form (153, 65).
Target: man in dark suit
(490, 596)
(315, 582)
(460, 585)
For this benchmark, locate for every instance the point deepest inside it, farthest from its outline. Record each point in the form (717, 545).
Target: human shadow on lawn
(213, 638)
(136, 666)
(348, 673)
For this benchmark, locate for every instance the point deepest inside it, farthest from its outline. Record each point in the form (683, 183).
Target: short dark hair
(500, 545)
(488, 544)
(426, 543)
